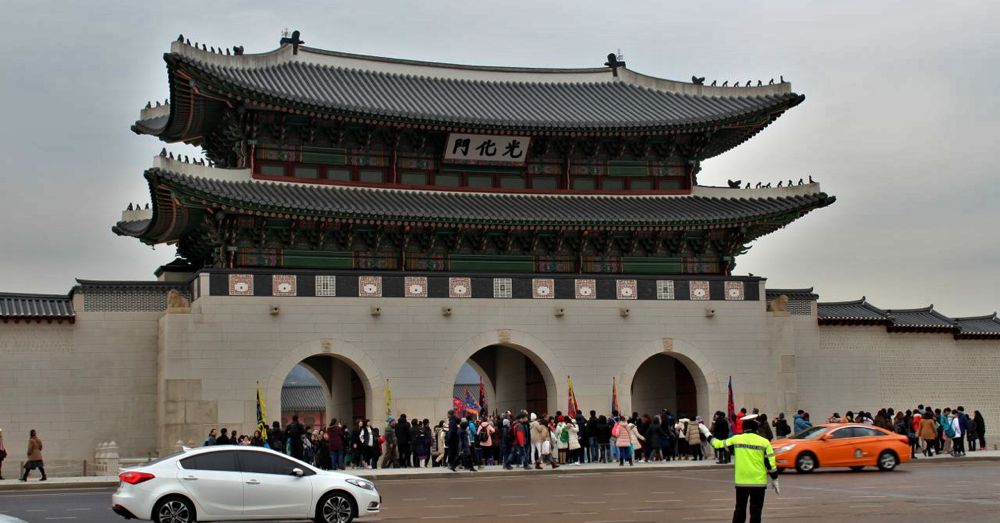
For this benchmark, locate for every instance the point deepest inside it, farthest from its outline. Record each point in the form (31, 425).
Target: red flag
(731, 408)
(459, 407)
(573, 406)
(482, 397)
(614, 395)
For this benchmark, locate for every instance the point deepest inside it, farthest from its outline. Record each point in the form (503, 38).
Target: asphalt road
(953, 492)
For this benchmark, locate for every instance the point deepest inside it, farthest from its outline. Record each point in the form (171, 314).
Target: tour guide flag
(573, 407)
(261, 414)
(471, 407)
(614, 395)
(388, 399)
(482, 397)
(731, 408)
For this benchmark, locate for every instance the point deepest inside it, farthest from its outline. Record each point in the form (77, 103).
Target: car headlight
(786, 448)
(361, 483)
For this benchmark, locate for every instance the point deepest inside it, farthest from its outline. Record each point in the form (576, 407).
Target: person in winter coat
(720, 431)
(485, 436)
(602, 431)
(800, 422)
(623, 441)
(539, 434)
(958, 437)
(335, 443)
(439, 447)
(3, 454)
(971, 435)
(575, 449)
(928, 434)
(636, 439)
(781, 428)
(34, 457)
(980, 429)
(654, 440)
(403, 440)
(562, 441)
(763, 428)
(693, 437)
(390, 458)
(464, 442)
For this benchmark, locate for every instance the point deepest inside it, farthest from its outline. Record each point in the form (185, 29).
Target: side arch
(534, 349)
(706, 379)
(371, 378)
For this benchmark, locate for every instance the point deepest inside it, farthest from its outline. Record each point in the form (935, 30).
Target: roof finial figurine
(748, 185)
(724, 84)
(811, 179)
(779, 183)
(768, 186)
(187, 41)
(180, 38)
(714, 82)
(748, 83)
(294, 40)
(758, 185)
(237, 50)
(147, 206)
(735, 184)
(782, 78)
(129, 206)
(614, 62)
(149, 105)
(771, 82)
(163, 152)
(227, 51)
(170, 155)
(698, 80)
(800, 181)
(759, 83)
(789, 182)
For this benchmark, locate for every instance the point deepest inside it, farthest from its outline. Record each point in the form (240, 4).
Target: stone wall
(78, 385)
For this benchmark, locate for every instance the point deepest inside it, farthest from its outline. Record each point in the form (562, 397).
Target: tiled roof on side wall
(925, 318)
(36, 307)
(793, 294)
(978, 326)
(856, 312)
(307, 398)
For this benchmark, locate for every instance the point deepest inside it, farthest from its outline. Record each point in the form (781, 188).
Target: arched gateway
(671, 374)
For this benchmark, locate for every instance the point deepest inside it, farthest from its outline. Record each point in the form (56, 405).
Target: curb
(55, 485)
(563, 470)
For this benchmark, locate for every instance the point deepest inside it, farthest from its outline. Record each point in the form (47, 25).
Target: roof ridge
(33, 295)
(985, 317)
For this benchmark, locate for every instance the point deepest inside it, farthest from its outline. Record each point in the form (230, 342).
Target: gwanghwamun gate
(379, 219)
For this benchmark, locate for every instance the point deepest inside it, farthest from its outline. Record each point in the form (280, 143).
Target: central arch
(522, 369)
(671, 374)
(346, 372)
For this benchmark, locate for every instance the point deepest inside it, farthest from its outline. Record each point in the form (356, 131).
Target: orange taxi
(841, 445)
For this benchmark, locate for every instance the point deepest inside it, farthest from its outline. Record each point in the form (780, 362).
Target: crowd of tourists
(531, 441)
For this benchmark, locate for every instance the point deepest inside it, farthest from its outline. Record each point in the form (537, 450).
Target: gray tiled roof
(922, 318)
(530, 105)
(979, 326)
(487, 208)
(857, 311)
(793, 294)
(36, 306)
(308, 398)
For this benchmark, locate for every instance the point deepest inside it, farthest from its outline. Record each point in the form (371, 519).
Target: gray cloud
(899, 121)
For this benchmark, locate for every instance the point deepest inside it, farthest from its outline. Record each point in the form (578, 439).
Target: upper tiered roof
(450, 97)
(36, 307)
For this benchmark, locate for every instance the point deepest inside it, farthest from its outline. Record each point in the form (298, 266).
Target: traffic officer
(754, 462)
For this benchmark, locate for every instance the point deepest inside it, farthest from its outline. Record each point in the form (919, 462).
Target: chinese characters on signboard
(482, 148)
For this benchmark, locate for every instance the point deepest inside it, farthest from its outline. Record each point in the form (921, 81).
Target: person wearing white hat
(754, 462)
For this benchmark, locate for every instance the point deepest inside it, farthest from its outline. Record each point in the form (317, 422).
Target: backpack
(484, 434)
(564, 435)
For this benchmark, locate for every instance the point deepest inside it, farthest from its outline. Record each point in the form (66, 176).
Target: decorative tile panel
(416, 287)
(241, 285)
(326, 286)
(543, 288)
(699, 289)
(283, 285)
(503, 288)
(664, 289)
(626, 289)
(459, 287)
(370, 286)
(586, 289)
(734, 290)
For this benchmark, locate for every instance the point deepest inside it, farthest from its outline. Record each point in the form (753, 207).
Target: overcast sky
(899, 122)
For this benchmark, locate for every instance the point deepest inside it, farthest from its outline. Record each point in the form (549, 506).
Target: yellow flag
(261, 414)
(388, 399)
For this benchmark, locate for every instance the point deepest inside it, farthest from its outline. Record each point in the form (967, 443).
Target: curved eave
(209, 88)
(175, 196)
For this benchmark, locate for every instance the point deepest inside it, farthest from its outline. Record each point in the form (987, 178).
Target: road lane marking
(660, 500)
(76, 509)
(444, 506)
(515, 497)
(517, 504)
(592, 502)
(439, 517)
(61, 517)
(414, 499)
(461, 499)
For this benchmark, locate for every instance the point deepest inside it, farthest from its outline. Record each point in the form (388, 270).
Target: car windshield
(810, 433)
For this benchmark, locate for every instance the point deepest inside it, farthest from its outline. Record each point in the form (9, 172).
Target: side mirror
(297, 472)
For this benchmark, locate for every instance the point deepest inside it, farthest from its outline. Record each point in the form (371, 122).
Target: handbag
(546, 447)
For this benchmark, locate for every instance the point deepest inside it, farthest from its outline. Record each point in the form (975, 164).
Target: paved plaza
(965, 489)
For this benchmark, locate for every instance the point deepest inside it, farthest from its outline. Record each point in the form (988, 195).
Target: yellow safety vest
(750, 453)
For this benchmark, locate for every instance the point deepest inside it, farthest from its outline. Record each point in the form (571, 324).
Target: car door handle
(253, 482)
(190, 478)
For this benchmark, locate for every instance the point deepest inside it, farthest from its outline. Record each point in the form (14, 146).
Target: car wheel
(887, 461)
(335, 507)
(805, 463)
(173, 510)
(857, 467)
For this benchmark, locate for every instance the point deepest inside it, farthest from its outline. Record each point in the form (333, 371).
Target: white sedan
(225, 482)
